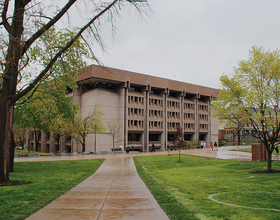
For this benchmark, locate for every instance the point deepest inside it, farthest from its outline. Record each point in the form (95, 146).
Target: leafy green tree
(22, 24)
(81, 127)
(250, 97)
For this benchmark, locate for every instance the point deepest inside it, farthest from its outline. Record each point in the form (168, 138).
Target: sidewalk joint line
(106, 197)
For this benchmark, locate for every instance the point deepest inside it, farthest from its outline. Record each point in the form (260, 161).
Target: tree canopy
(249, 97)
(22, 23)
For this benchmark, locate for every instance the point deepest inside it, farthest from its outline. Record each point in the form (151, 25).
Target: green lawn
(203, 188)
(249, 150)
(49, 181)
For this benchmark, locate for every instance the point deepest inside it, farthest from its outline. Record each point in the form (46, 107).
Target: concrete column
(146, 120)
(209, 134)
(52, 144)
(196, 134)
(125, 112)
(77, 97)
(165, 132)
(182, 113)
(43, 143)
(62, 144)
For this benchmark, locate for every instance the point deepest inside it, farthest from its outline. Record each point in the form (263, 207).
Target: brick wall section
(259, 152)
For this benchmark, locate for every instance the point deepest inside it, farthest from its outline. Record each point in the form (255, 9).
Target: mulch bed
(14, 183)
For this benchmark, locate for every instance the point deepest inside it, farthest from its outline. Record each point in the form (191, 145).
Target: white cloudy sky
(192, 41)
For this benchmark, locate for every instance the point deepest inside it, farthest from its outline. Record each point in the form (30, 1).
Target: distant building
(148, 108)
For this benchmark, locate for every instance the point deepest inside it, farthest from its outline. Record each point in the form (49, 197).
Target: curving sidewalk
(115, 191)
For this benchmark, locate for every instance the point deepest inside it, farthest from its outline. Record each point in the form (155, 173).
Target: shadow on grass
(14, 183)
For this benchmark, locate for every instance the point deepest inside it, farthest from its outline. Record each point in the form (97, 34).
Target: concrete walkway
(115, 191)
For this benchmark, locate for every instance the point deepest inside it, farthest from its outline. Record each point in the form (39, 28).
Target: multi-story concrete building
(147, 108)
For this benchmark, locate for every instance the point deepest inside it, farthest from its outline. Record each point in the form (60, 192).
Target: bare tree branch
(41, 31)
(4, 16)
(53, 60)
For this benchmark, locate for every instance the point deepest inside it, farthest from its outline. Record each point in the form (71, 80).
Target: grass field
(203, 188)
(49, 181)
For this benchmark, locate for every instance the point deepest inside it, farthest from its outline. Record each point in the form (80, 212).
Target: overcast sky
(192, 41)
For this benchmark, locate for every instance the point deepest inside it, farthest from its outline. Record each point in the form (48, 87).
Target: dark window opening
(154, 137)
(134, 137)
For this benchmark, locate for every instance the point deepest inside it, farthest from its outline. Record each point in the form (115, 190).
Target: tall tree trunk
(269, 161)
(12, 153)
(84, 144)
(179, 154)
(57, 141)
(6, 112)
(113, 144)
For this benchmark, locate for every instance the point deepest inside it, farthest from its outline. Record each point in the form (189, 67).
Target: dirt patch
(14, 183)
(265, 171)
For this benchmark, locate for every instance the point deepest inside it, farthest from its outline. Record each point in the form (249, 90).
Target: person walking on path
(211, 146)
(168, 149)
(204, 145)
(201, 144)
(153, 147)
(236, 143)
(216, 146)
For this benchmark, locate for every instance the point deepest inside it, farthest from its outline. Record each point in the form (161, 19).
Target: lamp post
(95, 141)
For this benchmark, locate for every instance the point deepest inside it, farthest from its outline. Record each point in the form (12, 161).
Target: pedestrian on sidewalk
(236, 143)
(153, 147)
(216, 146)
(201, 145)
(204, 145)
(211, 146)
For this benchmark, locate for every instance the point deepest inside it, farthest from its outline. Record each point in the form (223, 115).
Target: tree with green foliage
(250, 96)
(178, 140)
(81, 127)
(22, 24)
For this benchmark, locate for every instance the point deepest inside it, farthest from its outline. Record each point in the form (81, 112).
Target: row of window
(135, 100)
(189, 116)
(173, 104)
(155, 114)
(172, 125)
(136, 124)
(155, 125)
(170, 104)
(203, 127)
(189, 126)
(156, 102)
(203, 108)
(203, 117)
(173, 115)
(136, 112)
(189, 106)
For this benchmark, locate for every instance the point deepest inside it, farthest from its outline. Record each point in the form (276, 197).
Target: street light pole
(95, 141)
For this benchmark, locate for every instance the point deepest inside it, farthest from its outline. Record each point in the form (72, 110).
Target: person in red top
(211, 146)
(237, 143)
